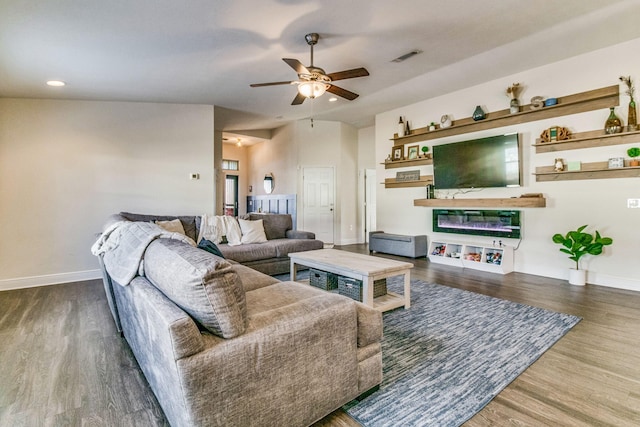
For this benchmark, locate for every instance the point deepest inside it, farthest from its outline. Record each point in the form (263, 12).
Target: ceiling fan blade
(348, 74)
(296, 65)
(299, 99)
(271, 84)
(342, 92)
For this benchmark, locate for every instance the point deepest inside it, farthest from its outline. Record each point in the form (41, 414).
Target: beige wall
(66, 165)
(277, 156)
(601, 203)
(366, 160)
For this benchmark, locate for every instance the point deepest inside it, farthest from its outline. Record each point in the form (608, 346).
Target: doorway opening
(231, 195)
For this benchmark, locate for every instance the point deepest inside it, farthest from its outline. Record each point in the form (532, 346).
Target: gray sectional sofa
(222, 344)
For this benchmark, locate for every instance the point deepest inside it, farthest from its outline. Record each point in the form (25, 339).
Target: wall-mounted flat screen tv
(490, 223)
(478, 163)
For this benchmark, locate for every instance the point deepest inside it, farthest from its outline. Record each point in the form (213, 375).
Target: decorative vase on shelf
(514, 106)
(400, 127)
(632, 120)
(613, 123)
(478, 114)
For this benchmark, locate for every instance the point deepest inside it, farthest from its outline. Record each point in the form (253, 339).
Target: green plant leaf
(577, 243)
(633, 152)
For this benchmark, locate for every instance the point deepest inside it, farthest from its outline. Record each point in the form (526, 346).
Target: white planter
(577, 277)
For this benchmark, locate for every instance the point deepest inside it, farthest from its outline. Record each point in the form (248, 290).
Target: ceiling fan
(313, 81)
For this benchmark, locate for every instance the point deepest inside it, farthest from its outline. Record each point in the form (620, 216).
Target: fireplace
(492, 223)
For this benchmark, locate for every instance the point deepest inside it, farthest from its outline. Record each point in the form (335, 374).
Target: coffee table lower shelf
(365, 268)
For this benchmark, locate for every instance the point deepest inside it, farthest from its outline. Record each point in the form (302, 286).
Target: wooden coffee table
(362, 267)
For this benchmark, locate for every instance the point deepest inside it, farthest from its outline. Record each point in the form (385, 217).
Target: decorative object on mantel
(408, 176)
(407, 128)
(401, 127)
(632, 120)
(445, 121)
(425, 150)
(555, 133)
(531, 195)
(616, 162)
(613, 123)
(576, 244)
(559, 165)
(388, 159)
(397, 152)
(432, 126)
(574, 166)
(478, 114)
(634, 152)
(537, 102)
(550, 101)
(512, 92)
(430, 191)
(413, 152)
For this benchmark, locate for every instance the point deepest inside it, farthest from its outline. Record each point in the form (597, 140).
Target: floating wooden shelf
(406, 163)
(605, 97)
(393, 183)
(591, 139)
(596, 170)
(513, 202)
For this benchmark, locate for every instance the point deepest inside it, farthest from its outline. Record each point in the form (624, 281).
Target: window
(230, 165)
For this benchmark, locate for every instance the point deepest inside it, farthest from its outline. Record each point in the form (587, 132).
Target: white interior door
(369, 202)
(318, 202)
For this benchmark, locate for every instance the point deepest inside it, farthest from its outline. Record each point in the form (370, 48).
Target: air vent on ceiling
(407, 56)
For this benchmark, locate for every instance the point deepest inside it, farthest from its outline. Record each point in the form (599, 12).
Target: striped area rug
(451, 353)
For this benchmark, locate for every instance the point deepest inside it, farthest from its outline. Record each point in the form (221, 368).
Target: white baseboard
(352, 241)
(49, 279)
(613, 281)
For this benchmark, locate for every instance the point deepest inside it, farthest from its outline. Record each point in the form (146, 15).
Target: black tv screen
(478, 163)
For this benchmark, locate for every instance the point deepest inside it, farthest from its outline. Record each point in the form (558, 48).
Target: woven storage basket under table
(323, 280)
(352, 288)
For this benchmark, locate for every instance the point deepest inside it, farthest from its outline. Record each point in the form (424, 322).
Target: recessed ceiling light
(333, 99)
(56, 83)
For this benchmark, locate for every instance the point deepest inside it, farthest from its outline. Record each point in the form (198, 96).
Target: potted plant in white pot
(576, 244)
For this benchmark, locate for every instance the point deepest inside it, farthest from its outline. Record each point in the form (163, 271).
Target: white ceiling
(209, 51)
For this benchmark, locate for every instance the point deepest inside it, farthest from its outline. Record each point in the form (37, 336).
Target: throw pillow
(209, 246)
(174, 226)
(234, 233)
(205, 286)
(252, 231)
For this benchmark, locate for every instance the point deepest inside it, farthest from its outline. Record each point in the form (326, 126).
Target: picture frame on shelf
(412, 152)
(397, 152)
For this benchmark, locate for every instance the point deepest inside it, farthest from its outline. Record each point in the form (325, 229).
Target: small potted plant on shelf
(634, 152)
(425, 150)
(576, 244)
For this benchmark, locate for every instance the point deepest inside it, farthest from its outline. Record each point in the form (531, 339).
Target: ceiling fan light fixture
(312, 89)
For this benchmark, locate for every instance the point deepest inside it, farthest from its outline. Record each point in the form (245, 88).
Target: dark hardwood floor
(62, 362)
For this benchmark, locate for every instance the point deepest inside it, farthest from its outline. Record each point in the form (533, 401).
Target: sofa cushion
(252, 279)
(286, 246)
(275, 225)
(249, 252)
(174, 226)
(188, 222)
(280, 295)
(252, 231)
(202, 284)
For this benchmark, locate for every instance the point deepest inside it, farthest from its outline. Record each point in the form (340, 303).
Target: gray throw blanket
(123, 245)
